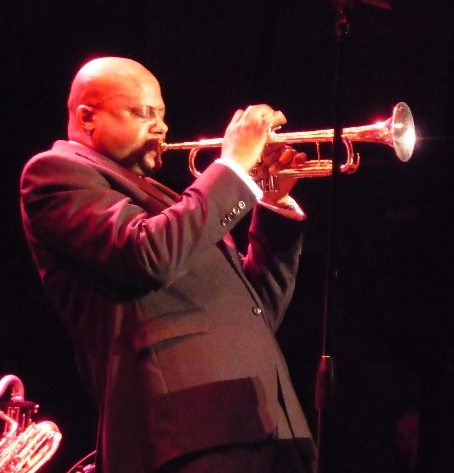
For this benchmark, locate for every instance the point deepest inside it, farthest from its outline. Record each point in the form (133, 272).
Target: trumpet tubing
(397, 131)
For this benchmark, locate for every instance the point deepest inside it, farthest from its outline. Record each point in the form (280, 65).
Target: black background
(392, 335)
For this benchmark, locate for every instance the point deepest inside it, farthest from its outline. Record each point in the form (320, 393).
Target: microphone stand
(325, 382)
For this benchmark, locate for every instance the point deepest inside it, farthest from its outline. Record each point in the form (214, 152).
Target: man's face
(128, 125)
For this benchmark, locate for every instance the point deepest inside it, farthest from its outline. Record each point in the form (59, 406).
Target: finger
(274, 168)
(279, 118)
(259, 118)
(264, 113)
(298, 160)
(275, 148)
(259, 111)
(272, 152)
(287, 156)
(237, 116)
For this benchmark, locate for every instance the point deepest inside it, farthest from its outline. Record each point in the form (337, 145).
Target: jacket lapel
(155, 188)
(151, 187)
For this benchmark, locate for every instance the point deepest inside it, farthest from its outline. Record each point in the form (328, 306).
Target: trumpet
(398, 131)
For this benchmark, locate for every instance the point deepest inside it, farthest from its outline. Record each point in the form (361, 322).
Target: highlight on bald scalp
(93, 78)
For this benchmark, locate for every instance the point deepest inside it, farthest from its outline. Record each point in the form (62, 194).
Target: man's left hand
(276, 157)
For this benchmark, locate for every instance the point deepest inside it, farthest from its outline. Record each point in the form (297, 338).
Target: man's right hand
(247, 134)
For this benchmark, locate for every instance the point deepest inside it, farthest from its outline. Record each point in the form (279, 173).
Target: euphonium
(398, 132)
(24, 445)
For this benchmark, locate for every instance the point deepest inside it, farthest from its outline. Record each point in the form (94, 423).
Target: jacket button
(257, 310)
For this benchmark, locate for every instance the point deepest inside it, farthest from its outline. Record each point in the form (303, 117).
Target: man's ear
(84, 114)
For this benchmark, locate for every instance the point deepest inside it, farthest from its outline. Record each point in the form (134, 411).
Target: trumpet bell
(403, 131)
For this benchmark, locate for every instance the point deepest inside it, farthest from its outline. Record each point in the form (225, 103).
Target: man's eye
(140, 113)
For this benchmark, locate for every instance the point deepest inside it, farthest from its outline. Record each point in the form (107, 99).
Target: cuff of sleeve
(292, 210)
(242, 174)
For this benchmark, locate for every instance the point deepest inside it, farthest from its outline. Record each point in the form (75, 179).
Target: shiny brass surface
(397, 131)
(24, 445)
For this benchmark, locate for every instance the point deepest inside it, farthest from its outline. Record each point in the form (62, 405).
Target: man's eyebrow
(159, 108)
(151, 108)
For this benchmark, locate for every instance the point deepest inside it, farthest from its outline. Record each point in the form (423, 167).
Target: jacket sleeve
(71, 207)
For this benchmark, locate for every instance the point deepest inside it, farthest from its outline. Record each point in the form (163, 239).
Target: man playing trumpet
(173, 329)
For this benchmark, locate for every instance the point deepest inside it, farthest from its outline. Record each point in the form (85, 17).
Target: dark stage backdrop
(393, 331)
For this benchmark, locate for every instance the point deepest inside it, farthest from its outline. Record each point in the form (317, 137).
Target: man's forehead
(126, 85)
(125, 98)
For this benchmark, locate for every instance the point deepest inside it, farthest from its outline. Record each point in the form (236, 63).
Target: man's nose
(159, 127)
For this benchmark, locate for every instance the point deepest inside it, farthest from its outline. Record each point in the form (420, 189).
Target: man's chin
(149, 164)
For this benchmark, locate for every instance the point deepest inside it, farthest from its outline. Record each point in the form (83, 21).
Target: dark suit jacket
(173, 329)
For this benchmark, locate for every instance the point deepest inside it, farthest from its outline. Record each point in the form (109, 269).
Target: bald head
(105, 76)
(115, 107)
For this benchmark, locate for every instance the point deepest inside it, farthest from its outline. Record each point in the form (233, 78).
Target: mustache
(153, 145)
